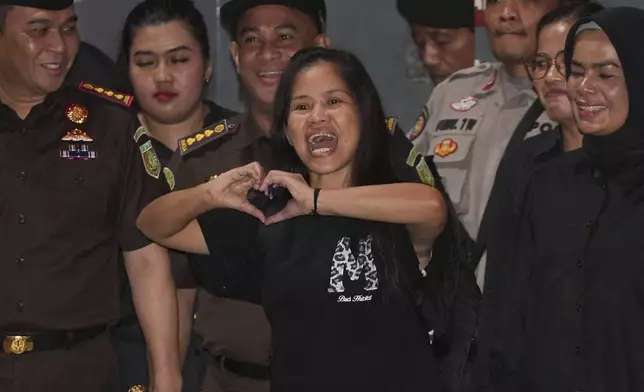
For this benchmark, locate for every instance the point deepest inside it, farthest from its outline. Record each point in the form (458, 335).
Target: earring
(207, 80)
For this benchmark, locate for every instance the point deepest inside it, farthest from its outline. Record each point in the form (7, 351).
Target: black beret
(54, 5)
(232, 11)
(442, 14)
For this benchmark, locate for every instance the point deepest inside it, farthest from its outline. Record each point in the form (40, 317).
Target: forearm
(186, 301)
(405, 203)
(155, 302)
(171, 213)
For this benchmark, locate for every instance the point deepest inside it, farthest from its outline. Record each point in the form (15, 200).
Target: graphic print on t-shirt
(345, 264)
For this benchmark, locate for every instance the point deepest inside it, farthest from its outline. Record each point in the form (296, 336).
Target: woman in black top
(335, 269)
(164, 61)
(578, 315)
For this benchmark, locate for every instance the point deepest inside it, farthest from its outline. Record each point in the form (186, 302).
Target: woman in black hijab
(577, 293)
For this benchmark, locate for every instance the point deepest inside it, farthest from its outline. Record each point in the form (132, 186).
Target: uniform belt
(243, 369)
(20, 342)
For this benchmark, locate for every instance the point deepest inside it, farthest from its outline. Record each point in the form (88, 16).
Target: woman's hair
(155, 13)
(372, 163)
(572, 11)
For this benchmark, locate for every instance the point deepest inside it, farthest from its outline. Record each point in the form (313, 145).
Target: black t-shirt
(319, 282)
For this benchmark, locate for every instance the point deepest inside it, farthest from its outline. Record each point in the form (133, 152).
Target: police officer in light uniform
(471, 117)
(443, 31)
(264, 34)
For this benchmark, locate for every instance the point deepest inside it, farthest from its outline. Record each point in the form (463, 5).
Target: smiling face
(267, 37)
(596, 85)
(444, 51)
(324, 123)
(167, 70)
(511, 27)
(38, 48)
(549, 80)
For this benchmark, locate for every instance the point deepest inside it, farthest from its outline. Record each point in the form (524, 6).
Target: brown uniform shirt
(236, 329)
(64, 221)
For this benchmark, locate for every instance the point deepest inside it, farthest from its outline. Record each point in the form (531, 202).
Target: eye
(143, 64)
(39, 32)
(69, 29)
(333, 101)
(250, 40)
(285, 37)
(300, 106)
(179, 60)
(607, 76)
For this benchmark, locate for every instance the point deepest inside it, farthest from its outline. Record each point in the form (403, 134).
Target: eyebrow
(72, 19)
(337, 90)
(151, 53)
(254, 29)
(601, 64)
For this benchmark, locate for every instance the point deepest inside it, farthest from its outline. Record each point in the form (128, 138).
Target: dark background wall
(372, 29)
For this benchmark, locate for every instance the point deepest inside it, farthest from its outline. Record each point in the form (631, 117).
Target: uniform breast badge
(136, 388)
(421, 121)
(169, 178)
(78, 141)
(445, 148)
(150, 159)
(464, 104)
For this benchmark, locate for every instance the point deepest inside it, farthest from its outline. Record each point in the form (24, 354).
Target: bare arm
(155, 301)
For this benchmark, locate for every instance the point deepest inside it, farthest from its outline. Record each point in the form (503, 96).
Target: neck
(516, 70)
(335, 180)
(17, 100)
(169, 134)
(263, 116)
(572, 138)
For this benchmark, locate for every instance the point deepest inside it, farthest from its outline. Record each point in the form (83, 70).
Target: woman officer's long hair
(371, 163)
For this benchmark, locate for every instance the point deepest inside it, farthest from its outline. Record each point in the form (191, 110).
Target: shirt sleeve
(140, 187)
(234, 268)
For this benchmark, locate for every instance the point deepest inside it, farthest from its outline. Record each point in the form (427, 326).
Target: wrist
(208, 199)
(313, 204)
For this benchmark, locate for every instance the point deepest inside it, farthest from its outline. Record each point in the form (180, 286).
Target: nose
(56, 42)
(269, 51)
(430, 54)
(587, 85)
(318, 114)
(162, 73)
(509, 11)
(553, 75)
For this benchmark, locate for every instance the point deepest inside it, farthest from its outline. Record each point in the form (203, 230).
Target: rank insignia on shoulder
(391, 124)
(169, 178)
(114, 96)
(421, 121)
(136, 388)
(150, 159)
(424, 172)
(205, 136)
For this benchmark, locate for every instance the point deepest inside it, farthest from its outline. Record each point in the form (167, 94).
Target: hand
(302, 195)
(230, 189)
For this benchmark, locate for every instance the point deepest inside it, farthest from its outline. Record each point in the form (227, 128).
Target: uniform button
(579, 264)
(22, 218)
(23, 130)
(22, 175)
(578, 307)
(79, 179)
(20, 260)
(18, 306)
(589, 223)
(577, 350)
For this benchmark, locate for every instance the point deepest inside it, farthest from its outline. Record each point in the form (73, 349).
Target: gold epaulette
(212, 132)
(111, 95)
(391, 123)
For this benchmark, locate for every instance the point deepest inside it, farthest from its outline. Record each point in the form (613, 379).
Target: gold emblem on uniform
(445, 148)
(191, 141)
(425, 173)
(150, 159)
(17, 344)
(199, 136)
(203, 137)
(220, 128)
(76, 135)
(169, 177)
(136, 388)
(421, 121)
(391, 124)
(77, 114)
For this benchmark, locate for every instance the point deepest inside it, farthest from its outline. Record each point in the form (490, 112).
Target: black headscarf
(620, 155)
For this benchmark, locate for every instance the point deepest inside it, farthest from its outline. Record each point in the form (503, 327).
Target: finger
(252, 210)
(289, 212)
(260, 171)
(247, 172)
(274, 177)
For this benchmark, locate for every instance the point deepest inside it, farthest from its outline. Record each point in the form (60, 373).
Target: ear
(288, 139)
(322, 40)
(234, 52)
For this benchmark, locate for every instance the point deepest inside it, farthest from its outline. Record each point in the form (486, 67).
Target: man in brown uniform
(73, 185)
(265, 35)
